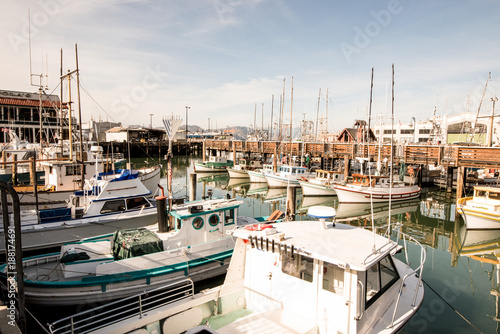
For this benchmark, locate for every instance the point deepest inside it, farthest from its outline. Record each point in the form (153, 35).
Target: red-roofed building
(20, 112)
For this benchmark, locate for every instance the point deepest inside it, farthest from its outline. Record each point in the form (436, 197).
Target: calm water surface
(461, 265)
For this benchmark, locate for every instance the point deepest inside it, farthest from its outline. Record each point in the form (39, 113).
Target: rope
(454, 309)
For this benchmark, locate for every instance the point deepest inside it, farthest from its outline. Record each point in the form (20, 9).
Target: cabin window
(480, 193)
(198, 223)
(113, 206)
(229, 217)
(213, 220)
(73, 170)
(494, 195)
(379, 278)
(299, 266)
(333, 278)
(137, 203)
(179, 223)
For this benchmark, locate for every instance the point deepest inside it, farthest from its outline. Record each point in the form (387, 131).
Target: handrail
(419, 269)
(104, 315)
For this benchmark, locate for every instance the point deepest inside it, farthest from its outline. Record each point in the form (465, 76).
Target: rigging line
(97, 103)
(454, 309)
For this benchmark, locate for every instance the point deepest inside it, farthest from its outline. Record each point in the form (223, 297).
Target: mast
(80, 118)
(326, 127)
(479, 108)
(291, 110)
(61, 106)
(317, 115)
(272, 109)
(262, 126)
(370, 109)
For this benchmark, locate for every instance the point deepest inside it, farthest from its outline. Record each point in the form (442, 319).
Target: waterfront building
(27, 114)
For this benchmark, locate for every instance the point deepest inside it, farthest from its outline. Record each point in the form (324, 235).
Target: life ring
(257, 227)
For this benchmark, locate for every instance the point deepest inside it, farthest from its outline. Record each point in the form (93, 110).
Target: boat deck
(274, 321)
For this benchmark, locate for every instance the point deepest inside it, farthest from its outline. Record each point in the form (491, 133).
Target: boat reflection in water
(482, 246)
(309, 201)
(351, 212)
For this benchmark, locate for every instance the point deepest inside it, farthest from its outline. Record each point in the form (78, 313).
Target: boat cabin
(329, 175)
(293, 170)
(375, 181)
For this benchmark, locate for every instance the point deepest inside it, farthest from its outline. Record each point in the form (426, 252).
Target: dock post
(449, 179)
(234, 155)
(14, 170)
(192, 187)
(203, 152)
(461, 179)
(346, 167)
(291, 196)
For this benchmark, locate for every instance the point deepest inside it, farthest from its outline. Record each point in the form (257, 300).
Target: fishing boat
(102, 207)
(129, 261)
(482, 210)
(376, 189)
(335, 278)
(320, 185)
(286, 176)
(239, 171)
(259, 175)
(214, 164)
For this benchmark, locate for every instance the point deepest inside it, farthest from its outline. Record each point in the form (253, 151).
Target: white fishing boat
(321, 184)
(286, 176)
(259, 175)
(239, 171)
(214, 164)
(102, 207)
(335, 278)
(376, 189)
(130, 261)
(482, 210)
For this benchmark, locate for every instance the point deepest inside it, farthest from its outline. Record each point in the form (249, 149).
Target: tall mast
(262, 127)
(317, 116)
(326, 127)
(80, 117)
(61, 106)
(272, 109)
(291, 110)
(370, 109)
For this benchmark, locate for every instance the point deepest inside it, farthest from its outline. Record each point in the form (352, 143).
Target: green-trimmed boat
(129, 261)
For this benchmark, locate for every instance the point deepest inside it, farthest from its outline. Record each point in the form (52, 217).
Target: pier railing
(110, 313)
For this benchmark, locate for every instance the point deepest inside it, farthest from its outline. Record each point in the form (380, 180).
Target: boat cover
(133, 242)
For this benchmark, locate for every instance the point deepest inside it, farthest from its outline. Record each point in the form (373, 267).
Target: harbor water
(461, 274)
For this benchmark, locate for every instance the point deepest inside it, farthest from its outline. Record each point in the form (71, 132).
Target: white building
(465, 127)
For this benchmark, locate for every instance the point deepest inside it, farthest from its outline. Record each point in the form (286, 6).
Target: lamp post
(187, 131)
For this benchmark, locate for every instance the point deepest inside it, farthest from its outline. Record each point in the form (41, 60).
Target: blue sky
(223, 57)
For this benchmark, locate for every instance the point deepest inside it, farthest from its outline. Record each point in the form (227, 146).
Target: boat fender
(304, 179)
(257, 227)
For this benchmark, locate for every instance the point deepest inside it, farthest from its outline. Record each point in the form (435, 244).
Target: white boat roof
(343, 244)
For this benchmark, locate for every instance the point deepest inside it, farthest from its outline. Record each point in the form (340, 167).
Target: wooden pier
(447, 156)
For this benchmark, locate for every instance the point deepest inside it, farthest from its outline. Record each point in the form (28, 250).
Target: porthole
(213, 220)
(198, 223)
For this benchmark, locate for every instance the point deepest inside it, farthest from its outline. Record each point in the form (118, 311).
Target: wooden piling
(14, 170)
(291, 196)
(192, 187)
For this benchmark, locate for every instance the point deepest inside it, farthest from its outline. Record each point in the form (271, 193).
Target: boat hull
(201, 167)
(37, 237)
(348, 194)
(478, 219)
(256, 177)
(237, 174)
(274, 181)
(97, 289)
(312, 189)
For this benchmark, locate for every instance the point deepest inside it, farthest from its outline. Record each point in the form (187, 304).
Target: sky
(230, 61)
